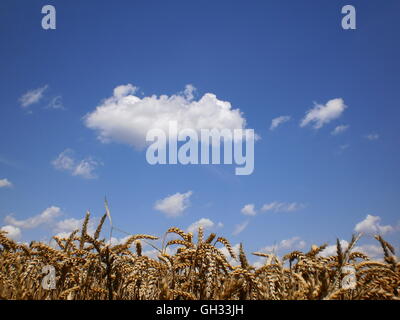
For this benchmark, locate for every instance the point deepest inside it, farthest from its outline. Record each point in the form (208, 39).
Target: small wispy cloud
(282, 207)
(174, 205)
(323, 114)
(32, 96)
(372, 136)
(294, 243)
(8, 162)
(249, 210)
(276, 122)
(342, 148)
(240, 227)
(339, 129)
(4, 183)
(84, 168)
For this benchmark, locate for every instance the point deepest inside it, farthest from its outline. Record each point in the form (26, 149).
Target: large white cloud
(174, 205)
(4, 183)
(126, 118)
(12, 232)
(45, 216)
(323, 114)
(371, 225)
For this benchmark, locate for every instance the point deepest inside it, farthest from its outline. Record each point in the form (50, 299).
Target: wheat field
(87, 267)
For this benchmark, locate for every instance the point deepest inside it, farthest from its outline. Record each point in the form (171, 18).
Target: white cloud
(276, 122)
(126, 118)
(332, 249)
(371, 250)
(64, 227)
(339, 129)
(12, 232)
(203, 222)
(4, 183)
(323, 114)
(294, 243)
(62, 235)
(174, 205)
(240, 227)
(282, 247)
(64, 161)
(68, 225)
(282, 207)
(32, 96)
(44, 217)
(371, 225)
(124, 90)
(372, 136)
(84, 168)
(249, 210)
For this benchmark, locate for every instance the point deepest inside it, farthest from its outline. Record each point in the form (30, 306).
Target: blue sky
(267, 58)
